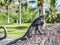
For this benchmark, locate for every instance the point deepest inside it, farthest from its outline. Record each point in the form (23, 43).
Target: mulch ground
(50, 36)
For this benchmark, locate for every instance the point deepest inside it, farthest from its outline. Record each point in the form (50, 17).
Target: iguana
(31, 30)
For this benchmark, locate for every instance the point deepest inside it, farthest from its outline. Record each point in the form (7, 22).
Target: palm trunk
(8, 21)
(19, 13)
(43, 9)
(27, 4)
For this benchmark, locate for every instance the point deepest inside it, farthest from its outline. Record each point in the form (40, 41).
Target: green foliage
(53, 17)
(28, 15)
(52, 4)
(15, 17)
(1, 2)
(3, 18)
(52, 14)
(58, 18)
(8, 1)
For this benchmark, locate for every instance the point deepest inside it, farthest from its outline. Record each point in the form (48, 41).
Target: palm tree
(19, 12)
(43, 9)
(1, 2)
(52, 4)
(7, 4)
(7, 8)
(41, 4)
(52, 10)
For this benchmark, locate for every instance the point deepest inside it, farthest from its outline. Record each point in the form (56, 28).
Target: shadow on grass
(13, 29)
(18, 27)
(21, 27)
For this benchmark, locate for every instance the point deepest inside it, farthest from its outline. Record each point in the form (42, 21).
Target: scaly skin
(33, 28)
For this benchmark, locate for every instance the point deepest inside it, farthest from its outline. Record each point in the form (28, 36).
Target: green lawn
(15, 30)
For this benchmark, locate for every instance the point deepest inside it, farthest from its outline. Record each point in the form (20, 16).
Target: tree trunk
(43, 9)
(19, 13)
(27, 4)
(8, 21)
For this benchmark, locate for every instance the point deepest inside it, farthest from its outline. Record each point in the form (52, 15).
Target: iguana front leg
(32, 30)
(40, 30)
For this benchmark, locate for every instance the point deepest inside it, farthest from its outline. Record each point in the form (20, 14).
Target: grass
(15, 30)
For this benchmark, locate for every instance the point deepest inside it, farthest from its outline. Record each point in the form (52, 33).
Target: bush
(3, 18)
(28, 15)
(52, 19)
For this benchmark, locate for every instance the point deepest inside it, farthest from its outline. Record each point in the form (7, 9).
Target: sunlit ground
(15, 30)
